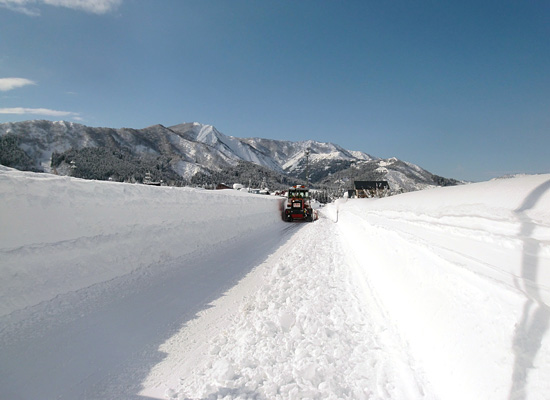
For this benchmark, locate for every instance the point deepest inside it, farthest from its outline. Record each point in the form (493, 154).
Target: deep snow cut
(127, 291)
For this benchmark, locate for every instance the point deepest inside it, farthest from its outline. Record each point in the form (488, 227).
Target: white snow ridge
(132, 292)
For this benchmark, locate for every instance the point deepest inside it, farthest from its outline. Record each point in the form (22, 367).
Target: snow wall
(464, 274)
(60, 234)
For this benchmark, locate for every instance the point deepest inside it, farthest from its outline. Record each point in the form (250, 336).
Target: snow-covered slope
(39, 139)
(230, 146)
(289, 155)
(189, 149)
(128, 291)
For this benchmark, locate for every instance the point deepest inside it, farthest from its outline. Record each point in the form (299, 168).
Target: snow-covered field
(463, 273)
(118, 291)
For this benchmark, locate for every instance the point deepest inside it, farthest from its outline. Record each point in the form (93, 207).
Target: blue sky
(461, 88)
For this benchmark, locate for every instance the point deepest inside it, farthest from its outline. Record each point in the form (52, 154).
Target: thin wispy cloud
(14, 83)
(31, 7)
(39, 111)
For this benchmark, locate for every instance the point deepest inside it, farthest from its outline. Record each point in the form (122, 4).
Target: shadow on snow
(535, 318)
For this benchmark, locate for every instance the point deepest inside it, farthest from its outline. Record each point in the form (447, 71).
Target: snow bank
(464, 274)
(60, 234)
(495, 220)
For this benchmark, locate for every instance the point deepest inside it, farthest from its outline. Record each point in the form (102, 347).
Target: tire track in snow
(304, 333)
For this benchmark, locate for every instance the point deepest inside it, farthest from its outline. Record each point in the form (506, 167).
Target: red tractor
(298, 205)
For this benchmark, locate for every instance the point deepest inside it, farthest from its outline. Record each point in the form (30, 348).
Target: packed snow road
(307, 327)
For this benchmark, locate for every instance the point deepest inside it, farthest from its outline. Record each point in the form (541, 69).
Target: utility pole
(307, 165)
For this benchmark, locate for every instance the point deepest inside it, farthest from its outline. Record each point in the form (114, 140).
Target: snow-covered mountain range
(195, 152)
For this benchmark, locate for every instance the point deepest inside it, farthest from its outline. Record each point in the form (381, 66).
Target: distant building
(371, 189)
(222, 186)
(148, 180)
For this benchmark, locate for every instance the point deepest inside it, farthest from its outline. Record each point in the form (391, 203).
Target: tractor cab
(298, 205)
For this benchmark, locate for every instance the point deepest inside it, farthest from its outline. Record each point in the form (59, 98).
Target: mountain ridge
(195, 153)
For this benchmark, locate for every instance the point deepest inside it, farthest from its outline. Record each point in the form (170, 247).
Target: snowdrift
(464, 274)
(60, 234)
